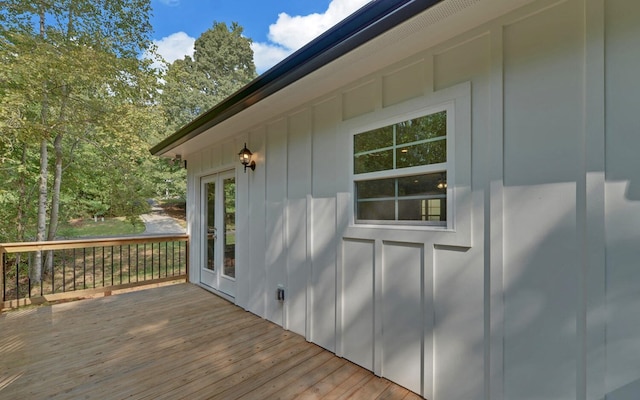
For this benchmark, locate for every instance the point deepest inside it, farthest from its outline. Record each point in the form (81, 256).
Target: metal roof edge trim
(370, 21)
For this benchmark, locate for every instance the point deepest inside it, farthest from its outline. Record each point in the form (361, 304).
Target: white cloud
(286, 35)
(289, 33)
(175, 46)
(267, 55)
(170, 3)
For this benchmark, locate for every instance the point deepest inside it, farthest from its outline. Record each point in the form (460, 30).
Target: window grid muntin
(445, 130)
(400, 146)
(397, 198)
(395, 147)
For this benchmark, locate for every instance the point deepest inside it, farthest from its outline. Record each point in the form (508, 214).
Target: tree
(69, 67)
(222, 63)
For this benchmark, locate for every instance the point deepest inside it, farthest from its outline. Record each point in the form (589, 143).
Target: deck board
(169, 342)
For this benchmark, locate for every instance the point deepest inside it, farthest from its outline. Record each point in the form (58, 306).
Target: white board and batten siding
(534, 293)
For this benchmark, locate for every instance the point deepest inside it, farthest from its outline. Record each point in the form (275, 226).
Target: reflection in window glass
(419, 141)
(372, 162)
(422, 185)
(436, 210)
(423, 128)
(211, 225)
(428, 210)
(376, 188)
(377, 210)
(230, 227)
(422, 154)
(410, 198)
(373, 140)
(386, 151)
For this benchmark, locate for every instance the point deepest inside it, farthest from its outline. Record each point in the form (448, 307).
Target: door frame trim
(200, 222)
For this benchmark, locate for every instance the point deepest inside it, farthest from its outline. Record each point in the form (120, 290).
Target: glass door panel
(229, 185)
(218, 232)
(210, 231)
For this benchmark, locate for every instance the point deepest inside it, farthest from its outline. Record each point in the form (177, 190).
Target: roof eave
(367, 23)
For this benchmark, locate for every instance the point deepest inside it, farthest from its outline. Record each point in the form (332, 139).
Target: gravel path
(157, 222)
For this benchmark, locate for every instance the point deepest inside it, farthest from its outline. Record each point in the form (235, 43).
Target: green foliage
(73, 78)
(418, 141)
(72, 72)
(100, 227)
(222, 63)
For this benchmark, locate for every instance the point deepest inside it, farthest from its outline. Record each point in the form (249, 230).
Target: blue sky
(277, 27)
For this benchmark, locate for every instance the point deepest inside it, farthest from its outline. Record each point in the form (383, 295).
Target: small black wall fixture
(442, 182)
(177, 160)
(245, 159)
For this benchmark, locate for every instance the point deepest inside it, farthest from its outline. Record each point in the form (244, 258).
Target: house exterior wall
(534, 292)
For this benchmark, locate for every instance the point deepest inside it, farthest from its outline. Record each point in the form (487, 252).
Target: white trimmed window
(400, 171)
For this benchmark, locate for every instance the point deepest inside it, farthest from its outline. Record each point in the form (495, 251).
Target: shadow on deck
(169, 342)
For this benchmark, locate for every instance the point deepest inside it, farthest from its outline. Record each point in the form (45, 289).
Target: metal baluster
(173, 258)
(180, 256)
(102, 266)
(4, 277)
(120, 252)
(144, 269)
(17, 284)
(84, 268)
(186, 258)
(111, 265)
(74, 269)
(4, 286)
(64, 272)
(53, 275)
(137, 259)
(42, 276)
(93, 266)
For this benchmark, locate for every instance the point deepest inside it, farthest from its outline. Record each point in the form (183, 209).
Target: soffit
(432, 27)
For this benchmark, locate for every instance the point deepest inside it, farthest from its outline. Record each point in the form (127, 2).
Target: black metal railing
(39, 271)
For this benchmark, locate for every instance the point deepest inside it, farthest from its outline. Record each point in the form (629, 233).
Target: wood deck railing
(77, 268)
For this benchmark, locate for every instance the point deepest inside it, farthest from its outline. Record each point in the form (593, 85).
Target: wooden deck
(172, 342)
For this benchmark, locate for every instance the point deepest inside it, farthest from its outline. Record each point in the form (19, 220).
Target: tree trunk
(55, 198)
(36, 268)
(22, 198)
(36, 273)
(22, 201)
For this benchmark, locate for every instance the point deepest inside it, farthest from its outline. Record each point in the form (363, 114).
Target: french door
(218, 232)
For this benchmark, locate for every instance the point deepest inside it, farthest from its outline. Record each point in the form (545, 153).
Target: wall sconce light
(177, 160)
(245, 159)
(442, 183)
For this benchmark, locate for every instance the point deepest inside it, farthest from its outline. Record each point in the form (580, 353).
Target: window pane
(410, 210)
(210, 189)
(433, 210)
(422, 154)
(375, 189)
(376, 210)
(372, 140)
(413, 143)
(378, 161)
(229, 227)
(423, 185)
(436, 209)
(427, 127)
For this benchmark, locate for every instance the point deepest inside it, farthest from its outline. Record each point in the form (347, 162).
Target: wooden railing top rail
(80, 243)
